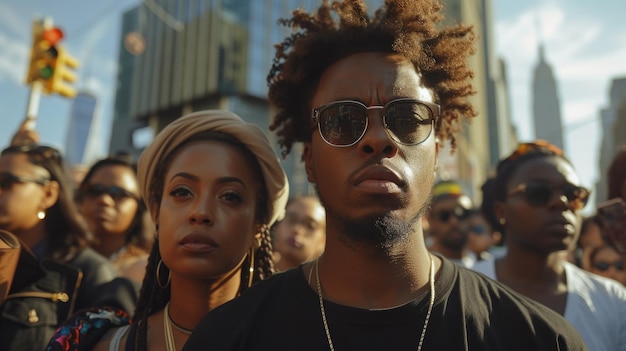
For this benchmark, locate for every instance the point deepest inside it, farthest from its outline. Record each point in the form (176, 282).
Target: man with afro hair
(372, 98)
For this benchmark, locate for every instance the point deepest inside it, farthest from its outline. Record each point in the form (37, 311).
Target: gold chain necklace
(430, 304)
(167, 329)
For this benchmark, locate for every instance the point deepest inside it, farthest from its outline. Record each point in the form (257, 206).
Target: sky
(585, 42)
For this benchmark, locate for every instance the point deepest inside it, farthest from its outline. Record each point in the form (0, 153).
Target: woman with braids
(371, 98)
(213, 186)
(538, 201)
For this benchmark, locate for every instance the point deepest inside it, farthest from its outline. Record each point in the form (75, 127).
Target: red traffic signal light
(52, 35)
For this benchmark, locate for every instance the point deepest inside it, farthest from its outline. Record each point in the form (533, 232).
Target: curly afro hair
(340, 29)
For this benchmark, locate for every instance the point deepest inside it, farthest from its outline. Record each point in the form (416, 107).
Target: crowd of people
(199, 245)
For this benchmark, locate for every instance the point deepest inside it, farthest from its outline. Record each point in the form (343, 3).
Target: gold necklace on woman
(167, 329)
(431, 282)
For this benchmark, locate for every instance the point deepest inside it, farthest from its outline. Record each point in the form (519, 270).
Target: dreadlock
(153, 296)
(340, 29)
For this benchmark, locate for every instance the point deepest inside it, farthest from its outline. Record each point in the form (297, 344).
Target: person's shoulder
(88, 259)
(87, 328)
(259, 307)
(486, 267)
(263, 292)
(507, 311)
(582, 279)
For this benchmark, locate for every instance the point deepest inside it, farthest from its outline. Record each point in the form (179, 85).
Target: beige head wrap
(225, 122)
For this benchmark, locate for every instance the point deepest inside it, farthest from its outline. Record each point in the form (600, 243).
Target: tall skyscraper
(82, 118)
(546, 103)
(613, 125)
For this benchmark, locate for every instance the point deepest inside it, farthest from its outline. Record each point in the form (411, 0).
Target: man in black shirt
(372, 99)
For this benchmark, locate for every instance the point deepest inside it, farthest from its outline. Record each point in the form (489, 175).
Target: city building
(546, 103)
(80, 137)
(613, 136)
(217, 54)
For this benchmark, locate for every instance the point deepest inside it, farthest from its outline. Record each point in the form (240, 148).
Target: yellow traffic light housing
(43, 53)
(50, 64)
(63, 74)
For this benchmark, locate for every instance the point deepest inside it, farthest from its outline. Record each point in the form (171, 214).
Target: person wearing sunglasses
(108, 198)
(57, 272)
(607, 262)
(481, 238)
(449, 210)
(538, 200)
(371, 98)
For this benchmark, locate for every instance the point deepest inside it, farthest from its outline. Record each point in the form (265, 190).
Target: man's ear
(308, 162)
(500, 211)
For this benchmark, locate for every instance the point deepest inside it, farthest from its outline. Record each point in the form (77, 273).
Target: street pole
(33, 105)
(36, 87)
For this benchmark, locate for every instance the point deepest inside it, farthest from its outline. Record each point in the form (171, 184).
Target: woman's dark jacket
(45, 293)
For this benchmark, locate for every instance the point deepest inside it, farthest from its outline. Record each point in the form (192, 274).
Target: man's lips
(379, 178)
(561, 225)
(198, 242)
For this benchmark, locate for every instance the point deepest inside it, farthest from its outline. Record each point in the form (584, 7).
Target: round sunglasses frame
(433, 108)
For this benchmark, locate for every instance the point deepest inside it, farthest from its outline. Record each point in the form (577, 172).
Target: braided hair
(340, 29)
(152, 296)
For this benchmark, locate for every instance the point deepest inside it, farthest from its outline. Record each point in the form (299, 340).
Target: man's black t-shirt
(471, 312)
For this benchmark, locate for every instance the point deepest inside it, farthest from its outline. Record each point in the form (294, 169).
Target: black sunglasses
(7, 180)
(478, 229)
(539, 194)
(343, 123)
(115, 192)
(458, 212)
(604, 266)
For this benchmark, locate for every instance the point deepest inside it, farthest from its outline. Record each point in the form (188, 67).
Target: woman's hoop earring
(158, 276)
(251, 256)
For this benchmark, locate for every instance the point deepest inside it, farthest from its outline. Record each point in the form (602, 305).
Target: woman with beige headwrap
(213, 186)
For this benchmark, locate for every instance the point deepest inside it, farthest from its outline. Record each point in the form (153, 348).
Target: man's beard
(381, 231)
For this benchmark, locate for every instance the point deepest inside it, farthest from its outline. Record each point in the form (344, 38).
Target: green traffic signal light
(46, 72)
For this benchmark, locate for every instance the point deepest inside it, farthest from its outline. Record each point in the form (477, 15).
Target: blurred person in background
(300, 236)
(449, 209)
(57, 271)
(591, 236)
(481, 238)
(538, 200)
(213, 186)
(108, 198)
(607, 262)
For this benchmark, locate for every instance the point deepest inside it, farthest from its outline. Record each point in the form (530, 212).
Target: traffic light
(63, 74)
(50, 64)
(43, 53)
